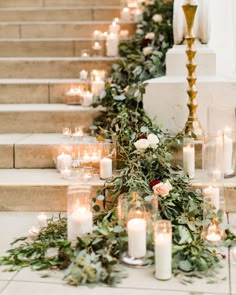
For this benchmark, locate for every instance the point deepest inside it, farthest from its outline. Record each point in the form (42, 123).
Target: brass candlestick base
(192, 127)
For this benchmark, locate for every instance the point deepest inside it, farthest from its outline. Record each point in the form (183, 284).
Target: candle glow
(213, 232)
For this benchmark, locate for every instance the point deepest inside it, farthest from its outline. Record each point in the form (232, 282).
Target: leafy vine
(94, 258)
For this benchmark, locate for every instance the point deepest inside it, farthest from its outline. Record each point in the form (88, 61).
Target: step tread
(42, 139)
(11, 139)
(13, 81)
(46, 59)
(59, 8)
(45, 108)
(37, 177)
(82, 22)
(46, 39)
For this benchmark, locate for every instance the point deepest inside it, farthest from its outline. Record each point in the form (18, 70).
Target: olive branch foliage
(94, 258)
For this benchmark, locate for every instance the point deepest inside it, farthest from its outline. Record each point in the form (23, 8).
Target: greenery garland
(146, 166)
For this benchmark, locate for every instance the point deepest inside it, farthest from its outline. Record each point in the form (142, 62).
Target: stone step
(49, 47)
(44, 118)
(57, 30)
(59, 14)
(34, 150)
(45, 190)
(36, 190)
(27, 91)
(52, 68)
(57, 3)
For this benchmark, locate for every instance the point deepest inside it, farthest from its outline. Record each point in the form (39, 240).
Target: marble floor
(139, 281)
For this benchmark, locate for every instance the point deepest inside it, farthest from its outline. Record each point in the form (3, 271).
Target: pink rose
(162, 189)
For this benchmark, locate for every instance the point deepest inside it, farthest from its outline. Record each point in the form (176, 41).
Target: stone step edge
(38, 177)
(29, 8)
(43, 59)
(14, 81)
(95, 22)
(45, 108)
(49, 39)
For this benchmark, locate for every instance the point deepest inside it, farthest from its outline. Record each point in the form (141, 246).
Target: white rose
(142, 144)
(149, 2)
(147, 50)
(157, 18)
(150, 36)
(153, 140)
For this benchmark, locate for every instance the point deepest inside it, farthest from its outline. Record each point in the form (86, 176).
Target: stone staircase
(40, 58)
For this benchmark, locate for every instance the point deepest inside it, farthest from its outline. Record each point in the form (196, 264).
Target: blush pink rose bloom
(162, 189)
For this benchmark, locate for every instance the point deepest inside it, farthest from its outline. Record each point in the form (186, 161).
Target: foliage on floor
(145, 163)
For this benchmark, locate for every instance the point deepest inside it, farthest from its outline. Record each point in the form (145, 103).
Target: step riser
(59, 15)
(51, 69)
(40, 156)
(46, 48)
(56, 3)
(34, 93)
(31, 156)
(6, 156)
(44, 122)
(55, 30)
(36, 198)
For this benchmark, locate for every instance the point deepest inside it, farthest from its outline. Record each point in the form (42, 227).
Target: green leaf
(185, 265)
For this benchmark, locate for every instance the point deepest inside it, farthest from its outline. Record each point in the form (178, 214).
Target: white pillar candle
(84, 53)
(138, 15)
(66, 131)
(72, 92)
(83, 75)
(42, 219)
(86, 158)
(125, 14)
(97, 34)
(95, 158)
(97, 86)
(63, 161)
(132, 3)
(163, 256)
(80, 222)
(213, 193)
(114, 28)
(213, 233)
(87, 98)
(97, 46)
(105, 168)
(112, 44)
(136, 228)
(228, 151)
(189, 161)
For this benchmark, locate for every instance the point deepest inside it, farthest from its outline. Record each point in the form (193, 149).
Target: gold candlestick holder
(192, 127)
